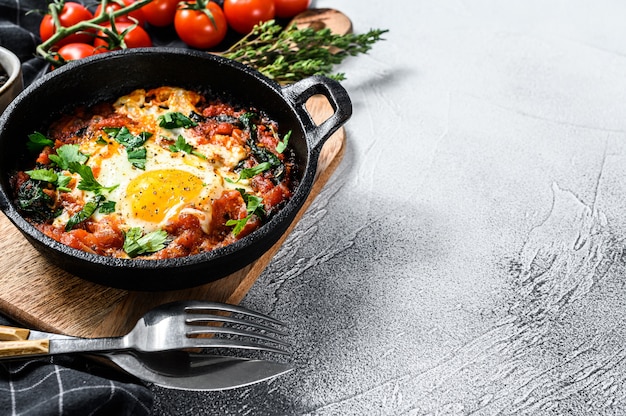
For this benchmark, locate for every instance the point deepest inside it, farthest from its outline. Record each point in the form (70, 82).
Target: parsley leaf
(175, 119)
(137, 157)
(254, 206)
(182, 146)
(124, 137)
(88, 209)
(255, 170)
(107, 207)
(98, 203)
(67, 154)
(135, 152)
(62, 182)
(282, 144)
(135, 244)
(37, 141)
(49, 175)
(87, 181)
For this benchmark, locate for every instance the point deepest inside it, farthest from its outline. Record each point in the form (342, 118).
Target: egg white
(109, 162)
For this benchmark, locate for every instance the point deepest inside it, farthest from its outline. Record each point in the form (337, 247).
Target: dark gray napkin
(66, 385)
(61, 385)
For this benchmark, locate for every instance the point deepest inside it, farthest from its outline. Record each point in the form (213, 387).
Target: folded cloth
(66, 385)
(19, 32)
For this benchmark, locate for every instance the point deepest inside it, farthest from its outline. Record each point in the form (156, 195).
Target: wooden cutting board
(39, 295)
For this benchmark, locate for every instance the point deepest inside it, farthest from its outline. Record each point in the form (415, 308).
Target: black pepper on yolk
(154, 193)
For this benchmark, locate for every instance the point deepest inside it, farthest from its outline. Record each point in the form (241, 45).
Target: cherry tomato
(243, 15)
(74, 51)
(194, 26)
(116, 5)
(71, 14)
(136, 37)
(160, 13)
(290, 8)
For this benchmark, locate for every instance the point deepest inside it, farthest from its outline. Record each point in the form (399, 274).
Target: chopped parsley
(88, 209)
(182, 146)
(37, 141)
(107, 207)
(254, 206)
(68, 154)
(248, 173)
(282, 144)
(174, 120)
(137, 157)
(135, 243)
(135, 151)
(49, 175)
(87, 181)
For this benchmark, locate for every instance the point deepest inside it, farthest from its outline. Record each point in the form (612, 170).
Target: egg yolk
(153, 193)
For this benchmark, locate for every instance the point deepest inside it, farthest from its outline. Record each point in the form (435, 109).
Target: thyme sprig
(289, 54)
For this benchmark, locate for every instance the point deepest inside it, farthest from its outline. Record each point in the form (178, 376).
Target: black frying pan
(108, 76)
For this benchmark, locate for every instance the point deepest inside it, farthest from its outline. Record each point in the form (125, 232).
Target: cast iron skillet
(107, 76)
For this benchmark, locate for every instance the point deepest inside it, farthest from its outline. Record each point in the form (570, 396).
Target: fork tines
(247, 330)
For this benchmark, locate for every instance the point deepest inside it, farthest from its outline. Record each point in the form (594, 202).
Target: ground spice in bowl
(4, 77)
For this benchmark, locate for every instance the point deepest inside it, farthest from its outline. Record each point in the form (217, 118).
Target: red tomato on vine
(116, 5)
(75, 51)
(200, 24)
(160, 13)
(290, 8)
(71, 14)
(243, 15)
(126, 34)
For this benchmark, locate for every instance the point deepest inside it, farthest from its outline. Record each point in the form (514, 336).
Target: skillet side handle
(298, 94)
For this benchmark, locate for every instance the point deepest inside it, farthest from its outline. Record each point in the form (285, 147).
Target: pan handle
(298, 94)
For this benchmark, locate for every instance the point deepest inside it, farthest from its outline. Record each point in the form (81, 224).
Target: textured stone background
(468, 255)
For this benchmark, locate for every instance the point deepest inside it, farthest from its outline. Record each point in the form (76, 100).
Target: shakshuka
(159, 173)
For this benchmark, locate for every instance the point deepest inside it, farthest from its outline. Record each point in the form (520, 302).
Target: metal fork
(173, 326)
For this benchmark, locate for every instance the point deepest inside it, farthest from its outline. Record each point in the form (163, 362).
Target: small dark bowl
(107, 76)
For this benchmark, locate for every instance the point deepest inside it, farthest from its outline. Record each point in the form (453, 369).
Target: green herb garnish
(37, 141)
(107, 207)
(255, 170)
(175, 119)
(49, 175)
(67, 154)
(254, 206)
(135, 151)
(136, 244)
(124, 137)
(137, 157)
(182, 146)
(282, 144)
(88, 209)
(87, 181)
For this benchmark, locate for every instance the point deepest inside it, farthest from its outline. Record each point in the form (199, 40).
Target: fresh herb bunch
(289, 54)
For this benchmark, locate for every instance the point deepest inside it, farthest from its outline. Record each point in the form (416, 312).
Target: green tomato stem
(62, 32)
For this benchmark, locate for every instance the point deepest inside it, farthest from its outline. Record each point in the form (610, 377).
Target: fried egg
(173, 182)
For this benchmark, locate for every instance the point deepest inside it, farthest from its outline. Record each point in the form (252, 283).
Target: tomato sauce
(241, 207)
